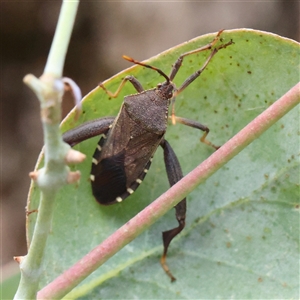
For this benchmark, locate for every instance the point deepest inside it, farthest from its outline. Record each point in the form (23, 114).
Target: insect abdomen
(109, 179)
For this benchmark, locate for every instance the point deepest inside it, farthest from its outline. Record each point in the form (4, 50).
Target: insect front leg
(174, 175)
(137, 85)
(191, 78)
(87, 130)
(197, 125)
(176, 66)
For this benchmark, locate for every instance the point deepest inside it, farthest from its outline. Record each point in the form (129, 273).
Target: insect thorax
(148, 109)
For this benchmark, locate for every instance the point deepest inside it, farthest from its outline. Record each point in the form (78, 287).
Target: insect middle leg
(137, 85)
(197, 125)
(174, 175)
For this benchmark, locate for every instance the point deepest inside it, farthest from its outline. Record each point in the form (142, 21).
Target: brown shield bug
(124, 153)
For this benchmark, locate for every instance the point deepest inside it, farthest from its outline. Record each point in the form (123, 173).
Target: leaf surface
(242, 234)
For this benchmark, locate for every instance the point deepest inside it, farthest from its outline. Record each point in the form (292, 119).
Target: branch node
(73, 177)
(19, 259)
(34, 175)
(74, 157)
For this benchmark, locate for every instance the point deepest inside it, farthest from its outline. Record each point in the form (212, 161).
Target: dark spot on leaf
(212, 225)
(228, 245)
(249, 72)
(260, 279)
(273, 189)
(197, 220)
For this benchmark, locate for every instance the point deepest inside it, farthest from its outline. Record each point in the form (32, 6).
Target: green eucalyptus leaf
(242, 234)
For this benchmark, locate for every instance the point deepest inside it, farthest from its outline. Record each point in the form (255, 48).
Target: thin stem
(49, 89)
(57, 54)
(70, 278)
(30, 266)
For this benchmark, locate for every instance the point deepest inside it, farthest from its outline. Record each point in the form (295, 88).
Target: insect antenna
(147, 66)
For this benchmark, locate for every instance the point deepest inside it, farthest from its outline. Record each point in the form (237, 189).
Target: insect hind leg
(174, 175)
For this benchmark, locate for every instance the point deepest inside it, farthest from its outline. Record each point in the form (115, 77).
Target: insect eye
(170, 94)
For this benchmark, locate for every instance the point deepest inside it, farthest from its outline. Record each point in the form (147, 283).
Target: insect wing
(122, 159)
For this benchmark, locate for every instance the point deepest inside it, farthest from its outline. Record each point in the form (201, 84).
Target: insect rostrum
(124, 153)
